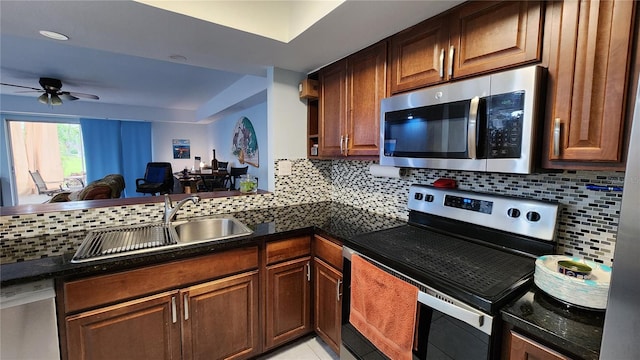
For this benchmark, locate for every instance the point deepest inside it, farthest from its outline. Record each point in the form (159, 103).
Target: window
(54, 149)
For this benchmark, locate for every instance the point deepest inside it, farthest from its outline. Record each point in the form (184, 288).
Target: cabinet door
(588, 74)
(220, 318)
(147, 328)
(288, 301)
(366, 84)
(333, 107)
(527, 349)
(418, 55)
(489, 35)
(327, 303)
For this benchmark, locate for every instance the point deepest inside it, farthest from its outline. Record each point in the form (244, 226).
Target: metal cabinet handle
(174, 315)
(338, 293)
(441, 63)
(451, 52)
(346, 145)
(186, 307)
(341, 141)
(473, 126)
(308, 271)
(556, 137)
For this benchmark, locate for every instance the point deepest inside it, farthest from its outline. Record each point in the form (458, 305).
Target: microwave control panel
(504, 125)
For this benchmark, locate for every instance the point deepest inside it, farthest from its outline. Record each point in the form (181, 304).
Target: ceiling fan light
(44, 98)
(53, 35)
(55, 100)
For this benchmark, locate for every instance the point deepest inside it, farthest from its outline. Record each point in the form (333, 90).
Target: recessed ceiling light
(54, 35)
(178, 58)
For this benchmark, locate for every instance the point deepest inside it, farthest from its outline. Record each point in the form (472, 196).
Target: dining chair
(222, 165)
(234, 174)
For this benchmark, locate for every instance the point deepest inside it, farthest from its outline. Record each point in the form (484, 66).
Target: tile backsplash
(587, 224)
(588, 220)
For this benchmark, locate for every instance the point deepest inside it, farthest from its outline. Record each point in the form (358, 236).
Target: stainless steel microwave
(486, 124)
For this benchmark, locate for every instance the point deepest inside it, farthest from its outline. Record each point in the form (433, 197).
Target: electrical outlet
(284, 168)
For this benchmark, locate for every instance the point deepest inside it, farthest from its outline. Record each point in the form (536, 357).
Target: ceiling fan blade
(20, 86)
(81, 95)
(27, 91)
(65, 95)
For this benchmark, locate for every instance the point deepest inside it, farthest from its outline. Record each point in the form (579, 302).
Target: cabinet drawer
(328, 251)
(106, 289)
(288, 249)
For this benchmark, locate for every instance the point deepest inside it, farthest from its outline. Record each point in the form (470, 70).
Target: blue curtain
(116, 147)
(136, 152)
(102, 148)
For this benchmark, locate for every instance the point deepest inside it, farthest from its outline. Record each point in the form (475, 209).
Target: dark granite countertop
(333, 219)
(574, 331)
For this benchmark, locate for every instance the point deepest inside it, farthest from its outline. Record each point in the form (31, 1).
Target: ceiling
(120, 50)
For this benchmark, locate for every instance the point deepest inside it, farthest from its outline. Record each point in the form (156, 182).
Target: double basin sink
(136, 239)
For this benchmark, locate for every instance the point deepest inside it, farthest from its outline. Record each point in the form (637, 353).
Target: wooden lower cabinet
(138, 329)
(523, 348)
(327, 283)
(214, 320)
(220, 318)
(288, 302)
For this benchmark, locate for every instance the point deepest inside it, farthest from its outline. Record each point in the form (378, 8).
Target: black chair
(234, 174)
(158, 179)
(222, 165)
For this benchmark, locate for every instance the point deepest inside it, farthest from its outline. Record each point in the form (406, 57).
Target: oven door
(446, 328)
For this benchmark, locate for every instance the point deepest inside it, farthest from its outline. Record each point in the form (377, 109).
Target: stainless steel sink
(128, 240)
(125, 240)
(210, 229)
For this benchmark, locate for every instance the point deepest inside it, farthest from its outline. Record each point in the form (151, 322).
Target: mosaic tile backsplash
(587, 224)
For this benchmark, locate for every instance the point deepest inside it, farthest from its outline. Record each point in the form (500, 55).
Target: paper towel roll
(386, 171)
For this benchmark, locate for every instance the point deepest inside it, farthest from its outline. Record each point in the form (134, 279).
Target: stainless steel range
(468, 254)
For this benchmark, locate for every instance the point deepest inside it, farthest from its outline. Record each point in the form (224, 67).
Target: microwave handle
(472, 130)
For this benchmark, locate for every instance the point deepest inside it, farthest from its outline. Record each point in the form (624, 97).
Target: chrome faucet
(170, 211)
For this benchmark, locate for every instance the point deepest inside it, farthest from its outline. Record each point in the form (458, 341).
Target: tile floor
(305, 349)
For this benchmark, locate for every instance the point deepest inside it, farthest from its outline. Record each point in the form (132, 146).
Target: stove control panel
(533, 218)
(468, 203)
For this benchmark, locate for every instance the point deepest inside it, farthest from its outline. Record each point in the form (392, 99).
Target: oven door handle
(470, 317)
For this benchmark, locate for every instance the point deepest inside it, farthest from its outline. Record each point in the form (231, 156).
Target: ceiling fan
(51, 93)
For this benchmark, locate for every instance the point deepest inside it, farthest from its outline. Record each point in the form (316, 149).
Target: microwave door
(440, 136)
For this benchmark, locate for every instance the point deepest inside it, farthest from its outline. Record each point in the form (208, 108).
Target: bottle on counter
(214, 161)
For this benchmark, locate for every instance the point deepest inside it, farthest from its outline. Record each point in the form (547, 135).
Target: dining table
(190, 179)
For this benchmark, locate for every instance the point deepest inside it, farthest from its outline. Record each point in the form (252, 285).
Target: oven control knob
(428, 198)
(418, 196)
(533, 216)
(513, 212)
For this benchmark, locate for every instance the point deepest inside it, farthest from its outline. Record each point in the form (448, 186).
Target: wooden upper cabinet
(486, 36)
(366, 83)
(418, 55)
(588, 78)
(474, 38)
(350, 94)
(333, 108)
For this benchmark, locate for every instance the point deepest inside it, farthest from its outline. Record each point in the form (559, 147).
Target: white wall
(162, 144)
(221, 138)
(287, 115)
